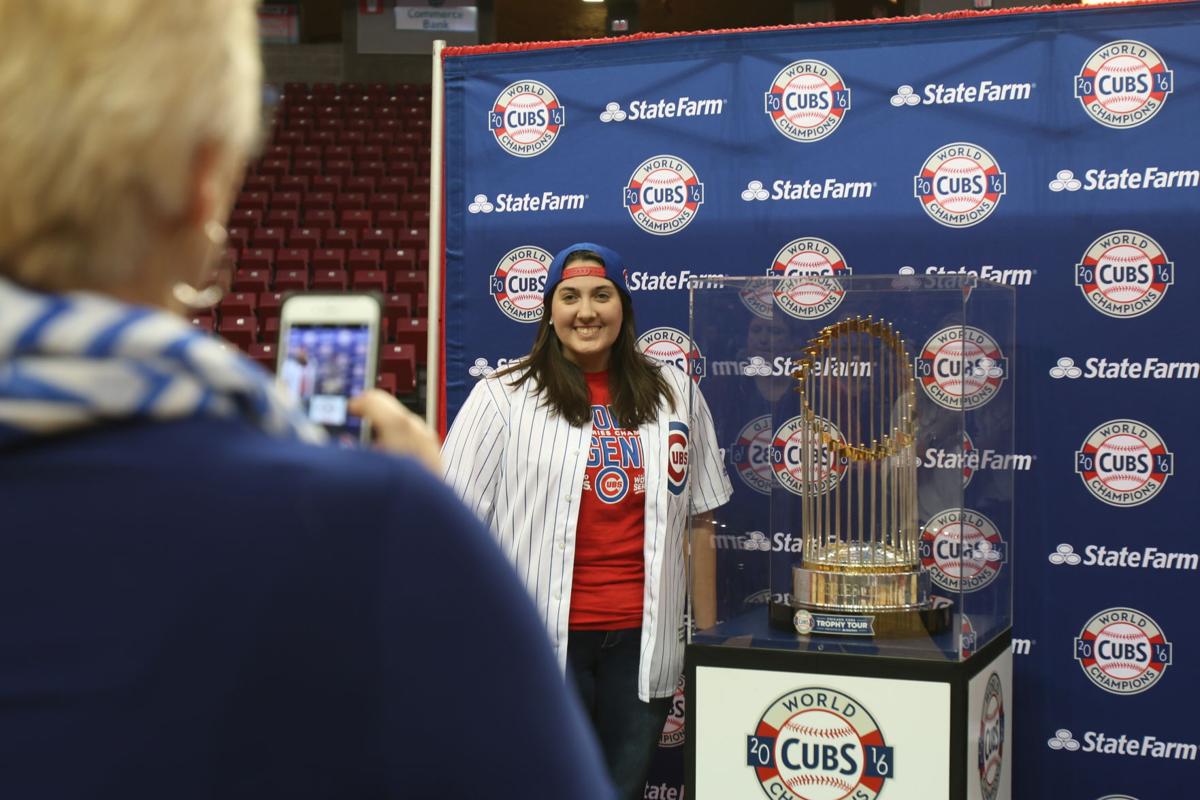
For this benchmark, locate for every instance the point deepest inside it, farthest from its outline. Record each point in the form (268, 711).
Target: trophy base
(928, 620)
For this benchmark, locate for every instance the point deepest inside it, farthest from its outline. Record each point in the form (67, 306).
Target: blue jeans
(605, 667)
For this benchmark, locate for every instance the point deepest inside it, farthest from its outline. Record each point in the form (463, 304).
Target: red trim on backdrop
(516, 47)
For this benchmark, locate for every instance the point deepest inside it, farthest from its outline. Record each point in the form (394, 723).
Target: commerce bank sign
(425, 18)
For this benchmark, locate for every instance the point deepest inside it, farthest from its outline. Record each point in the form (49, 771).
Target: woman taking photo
(201, 598)
(586, 459)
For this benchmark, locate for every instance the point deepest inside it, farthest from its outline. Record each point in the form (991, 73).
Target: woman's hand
(398, 430)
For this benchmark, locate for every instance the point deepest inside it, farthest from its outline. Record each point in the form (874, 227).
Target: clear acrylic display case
(866, 423)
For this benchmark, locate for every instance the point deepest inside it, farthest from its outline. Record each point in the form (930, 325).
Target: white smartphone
(328, 353)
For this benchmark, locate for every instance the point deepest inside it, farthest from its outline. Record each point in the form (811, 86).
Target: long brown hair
(634, 382)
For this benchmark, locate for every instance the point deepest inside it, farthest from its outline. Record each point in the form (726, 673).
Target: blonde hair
(104, 106)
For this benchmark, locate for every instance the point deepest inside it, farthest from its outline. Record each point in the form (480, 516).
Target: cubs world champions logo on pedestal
(1123, 651)
(1124, 274)
(807, 100)
(817, 743)
(674, 347)
(962, 549)
(959, 185)
(518, 282)
(820, 470)
(1123, 84)
(809, 256)
(990, 761)
(526, 118)
(961, 367)
(663, 195)
(751, 454)
(1124, 463)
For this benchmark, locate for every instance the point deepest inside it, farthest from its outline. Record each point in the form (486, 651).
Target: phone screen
(324, 366)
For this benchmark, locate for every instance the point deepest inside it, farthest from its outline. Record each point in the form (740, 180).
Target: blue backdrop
(1053, 151)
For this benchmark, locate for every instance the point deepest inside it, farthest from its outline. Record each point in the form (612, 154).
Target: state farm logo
(1123, 651)
(1123, 84)
(751, 454)
(1124, 274)
(818, 743)
(518, 281)
(807, 100)
(526, 118)
(809, 257)
(663, 195)
(961, 367)
(1095, 555)
(962, 549)
(801, 458)
(664, 109)
(1147, 746)
(507, 203)
(959, 185)
(939, 94)
(1144, 369)
(1124, 463)
(1104, 180)
(674, 347)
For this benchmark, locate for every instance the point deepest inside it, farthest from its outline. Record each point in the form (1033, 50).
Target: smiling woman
(578, 457)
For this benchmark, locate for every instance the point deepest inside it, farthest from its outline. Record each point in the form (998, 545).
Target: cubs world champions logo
(674, 347)
(817, 743)
(960, 185)
(1122, 651)
(1123, 84)
(990, 760)
(751, 454)
(1124, 274)
(518, 282)
(961, 367)
(807, 101)
(672, 734)
(789, 445)
(1124, 463)
(962, 549)
(677, 456)
(663, 195)
(526, 118)
(807, 257)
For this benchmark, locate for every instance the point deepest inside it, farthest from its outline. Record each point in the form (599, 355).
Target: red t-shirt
(610, 569)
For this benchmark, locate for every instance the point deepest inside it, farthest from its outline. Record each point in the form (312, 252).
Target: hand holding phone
(328, 353)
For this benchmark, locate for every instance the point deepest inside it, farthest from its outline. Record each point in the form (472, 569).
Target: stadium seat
(263, 354)
(359, 259)
(343, 238)
(400, 260)
(414, 332)
(285, 201)
(304, 238)
(259, 258)
(267, 238)
(391, 220)
(291, 280)
(370, 280)
(329, 280)
(238, 303)
(328, 258)
(293, 258)
(251, 280)
(400, 361)
(269, 304)
(204, 322)
(239, 330)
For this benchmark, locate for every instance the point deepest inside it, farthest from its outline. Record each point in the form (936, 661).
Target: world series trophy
(860, 571)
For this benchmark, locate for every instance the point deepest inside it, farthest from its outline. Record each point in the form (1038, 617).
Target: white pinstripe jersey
(521, 467)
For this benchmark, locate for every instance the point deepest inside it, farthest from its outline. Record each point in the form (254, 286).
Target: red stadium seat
(269, 304)
(204, 322)
(329, 280)
(291, 280)
(238, 303)
(396, 307)
(312, 201)
(251, 280)
(350, 201)
(414, 332)
(259, 183)
(376, 239)
(400, 260)
(304, 238)
(319, 218)
(283, 218)
(382, 201)
(400, 360)
(270, 330)
(363, 259)
(267, 238)
(416, 238)
(328, 258)
(393, 184)
(326, 183)
(391, 220)
(249, 218)
(341, 237)
(239, 330)
(370, 280)
(293, 258)
(255, 201)
(387, 382)
(292, 183)
(239, 237)
(285, 201)
(360, 184)
(355, 219)
(412, 282)
(257, 258)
